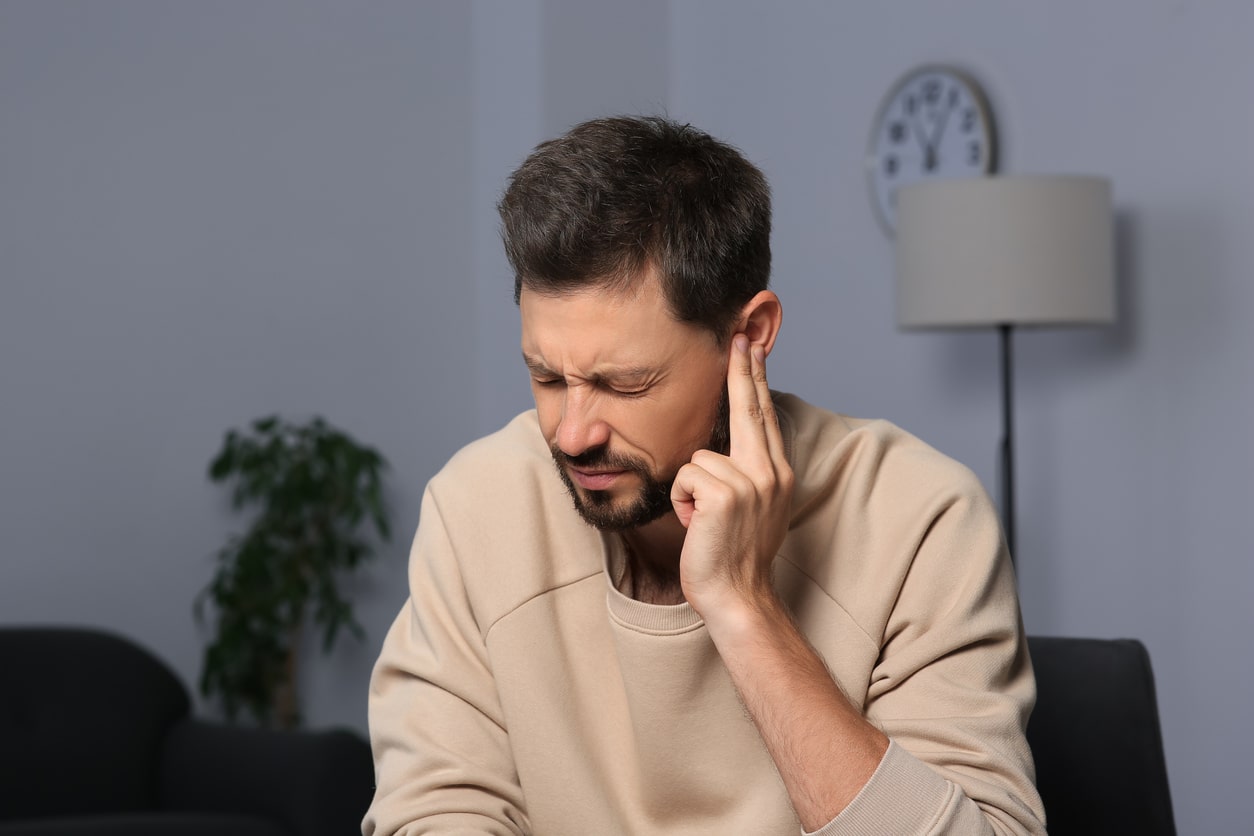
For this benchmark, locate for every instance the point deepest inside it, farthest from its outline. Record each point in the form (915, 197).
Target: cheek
(687, 425)
(709, 390)
(548, 411)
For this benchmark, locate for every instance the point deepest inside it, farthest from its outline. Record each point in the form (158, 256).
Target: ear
(760, 320)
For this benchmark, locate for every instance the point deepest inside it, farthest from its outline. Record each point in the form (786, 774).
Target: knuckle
(688, 471)
(766, 483)
(702, 458)
(722, 496)
(746, 483)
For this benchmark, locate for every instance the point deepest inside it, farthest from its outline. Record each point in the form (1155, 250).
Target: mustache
(598, 457)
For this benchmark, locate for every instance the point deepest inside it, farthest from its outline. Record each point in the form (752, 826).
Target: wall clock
(934, 122)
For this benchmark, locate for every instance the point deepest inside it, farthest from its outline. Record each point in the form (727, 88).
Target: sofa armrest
(313, 783)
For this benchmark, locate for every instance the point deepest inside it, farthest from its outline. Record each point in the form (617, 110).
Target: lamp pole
(1005, 332)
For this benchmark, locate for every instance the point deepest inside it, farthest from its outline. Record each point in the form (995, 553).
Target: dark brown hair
(613, 196)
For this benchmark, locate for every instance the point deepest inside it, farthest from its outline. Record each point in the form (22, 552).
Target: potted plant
(317, 493)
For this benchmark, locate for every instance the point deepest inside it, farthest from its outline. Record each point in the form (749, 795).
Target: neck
(653, 553)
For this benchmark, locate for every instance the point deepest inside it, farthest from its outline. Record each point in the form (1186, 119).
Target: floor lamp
(1005, 252)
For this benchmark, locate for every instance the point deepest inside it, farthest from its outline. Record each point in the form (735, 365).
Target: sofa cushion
(82, 715)
(144, 824)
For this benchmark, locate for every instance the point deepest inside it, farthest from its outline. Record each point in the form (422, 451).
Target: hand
(735, 507)
(736, 510)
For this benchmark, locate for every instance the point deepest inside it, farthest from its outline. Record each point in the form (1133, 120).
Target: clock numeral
(974, 152)
(890, 165)
(897, 132)
(953, 96)
(912, 104)
(931, 91)
(968, 120)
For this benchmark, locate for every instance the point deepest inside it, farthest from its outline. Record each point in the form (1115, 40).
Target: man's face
(625, 395)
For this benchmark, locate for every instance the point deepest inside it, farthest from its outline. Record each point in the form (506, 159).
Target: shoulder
(512, 451)
(502, 481)
(499, 513)
(868, 455)
(873, 505)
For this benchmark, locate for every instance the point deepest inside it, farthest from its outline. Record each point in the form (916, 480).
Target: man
(727, 611)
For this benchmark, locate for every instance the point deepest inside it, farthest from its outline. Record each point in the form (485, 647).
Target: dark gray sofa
(98, 739)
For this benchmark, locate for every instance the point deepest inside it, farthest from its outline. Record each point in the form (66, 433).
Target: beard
(652, 499)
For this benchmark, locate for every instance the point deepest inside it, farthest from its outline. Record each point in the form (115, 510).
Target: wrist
(734, 619)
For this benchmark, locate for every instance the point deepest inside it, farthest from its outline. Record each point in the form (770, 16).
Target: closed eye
(628, 393)
(555, 382)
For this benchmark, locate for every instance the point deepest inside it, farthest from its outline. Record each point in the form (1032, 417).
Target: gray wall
(208, 212)
(212, 211)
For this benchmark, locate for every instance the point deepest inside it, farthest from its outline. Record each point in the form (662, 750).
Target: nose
(580, 429)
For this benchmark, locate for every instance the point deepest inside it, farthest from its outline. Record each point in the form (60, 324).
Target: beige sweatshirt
(519, 692)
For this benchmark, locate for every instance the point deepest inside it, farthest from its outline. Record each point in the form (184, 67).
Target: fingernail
(759, 354)
(742, 343)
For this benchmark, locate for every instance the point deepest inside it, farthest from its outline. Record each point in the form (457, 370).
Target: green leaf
(315, 489)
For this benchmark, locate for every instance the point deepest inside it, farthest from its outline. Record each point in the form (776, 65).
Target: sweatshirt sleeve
(952, 689)
(441, 750)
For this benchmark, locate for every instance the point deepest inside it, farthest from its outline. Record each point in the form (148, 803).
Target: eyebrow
(622, 373)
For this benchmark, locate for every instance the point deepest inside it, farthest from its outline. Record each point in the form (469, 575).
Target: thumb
(684, 509)
(682, 498)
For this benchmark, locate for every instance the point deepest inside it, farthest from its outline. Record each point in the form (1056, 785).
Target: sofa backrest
(82, 716)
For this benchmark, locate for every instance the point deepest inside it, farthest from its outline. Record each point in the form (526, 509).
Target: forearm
(823, 747)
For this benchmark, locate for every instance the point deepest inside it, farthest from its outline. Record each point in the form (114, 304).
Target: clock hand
(929, 152)
(940, 128)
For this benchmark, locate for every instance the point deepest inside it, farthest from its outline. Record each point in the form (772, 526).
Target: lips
(595, 480)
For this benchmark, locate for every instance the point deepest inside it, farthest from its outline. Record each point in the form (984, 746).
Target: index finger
(747, 419)
(770, 418)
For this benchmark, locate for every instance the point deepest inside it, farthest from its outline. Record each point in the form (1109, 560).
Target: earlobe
(761, 319)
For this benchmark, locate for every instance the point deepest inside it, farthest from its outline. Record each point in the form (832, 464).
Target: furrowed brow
(536, 365)
(622, 374)
(625, 374)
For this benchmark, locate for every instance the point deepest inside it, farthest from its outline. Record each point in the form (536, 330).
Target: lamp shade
(1019, 250)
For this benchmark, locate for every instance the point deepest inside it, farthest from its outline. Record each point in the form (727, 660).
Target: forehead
(595, 327)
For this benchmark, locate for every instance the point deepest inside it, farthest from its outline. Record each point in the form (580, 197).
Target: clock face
(934, 123)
